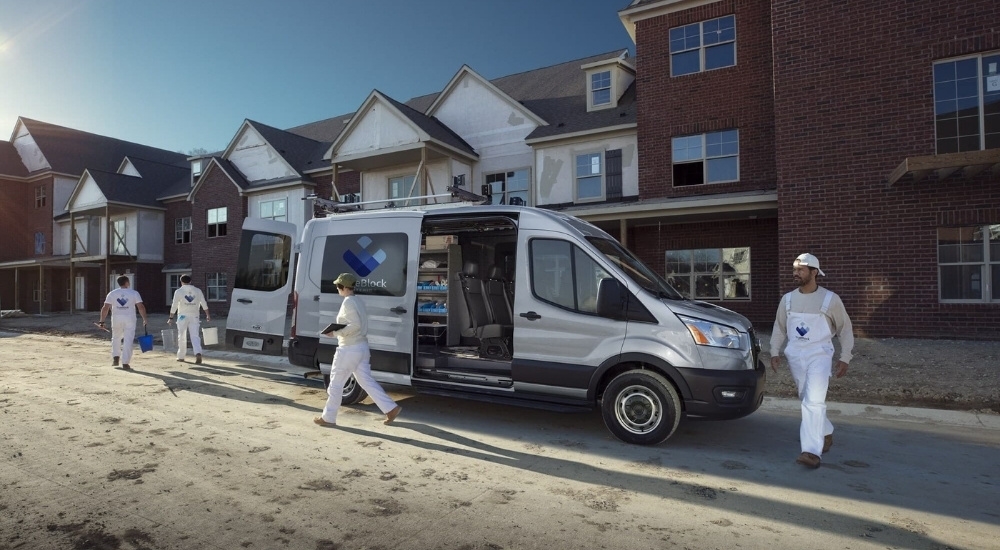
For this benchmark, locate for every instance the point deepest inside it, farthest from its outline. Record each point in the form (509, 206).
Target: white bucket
(169, 340)
(209, 336)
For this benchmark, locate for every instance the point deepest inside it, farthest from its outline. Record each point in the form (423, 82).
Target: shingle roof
(119, 188)
(326, 130)
(434, 127)
(72, 151)
(10, 161)
(169, 180)
(303, 153)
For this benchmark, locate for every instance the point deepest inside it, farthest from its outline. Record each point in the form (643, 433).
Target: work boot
(197, 359)
(181, 360)
(114, 361)
(808, 460)
(126, 367)
(827, 442)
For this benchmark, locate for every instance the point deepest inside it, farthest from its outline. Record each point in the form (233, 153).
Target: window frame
(171, 287)
(701, 48)
(705, 158)
(405, 179)
(594, 89)
(601, 175)
(981, 97)
(182, 234)
(584, 300)
(721, 275)
(40, 243)
(218, 228)
(989, 293)
(119, 240)
(273, 202)
(213, 286)
(505, 192)
(41, 196)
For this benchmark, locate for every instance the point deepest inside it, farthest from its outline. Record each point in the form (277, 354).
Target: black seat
(496, 291)
(480, 317)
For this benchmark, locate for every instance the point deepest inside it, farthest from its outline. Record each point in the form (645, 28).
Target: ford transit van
(500, 303)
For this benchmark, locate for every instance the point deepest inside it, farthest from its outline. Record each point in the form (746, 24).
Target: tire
(641, 407)
(352, 390)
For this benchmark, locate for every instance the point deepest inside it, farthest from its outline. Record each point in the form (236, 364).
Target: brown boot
(197, 359)
(808, 460)
(114, 361)
(827, 442)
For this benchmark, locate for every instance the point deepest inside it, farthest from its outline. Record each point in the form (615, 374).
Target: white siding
(484, 119)
(62, 188)
(296, 207)
(379, 128)
(61, 239)
(89, 195)
(375, 183)
(256, 160)
(555, 168)
(129, 169)
(150, 235)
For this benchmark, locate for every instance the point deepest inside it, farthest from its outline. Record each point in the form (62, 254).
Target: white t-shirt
(187, 300)
(122, 302)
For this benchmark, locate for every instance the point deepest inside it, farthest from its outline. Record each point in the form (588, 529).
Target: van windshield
(627, 262)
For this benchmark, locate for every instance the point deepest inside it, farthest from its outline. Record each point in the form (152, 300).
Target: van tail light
(295, 311)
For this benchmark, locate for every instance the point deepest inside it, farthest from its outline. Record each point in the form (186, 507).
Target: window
(118, 237)
(703, 46)
(564, 275)
(196, 168)
(217, 222)
(509, 187)
(378, 259)
(589, 177)
(710, 273)
(173, 283)
(40, 196)
(39, 243)
(969, 263)
(706, 158)
(182, 230)
(600, 88)
(263, 261)
(216, 287)
(400, 187)
(967, 104)
(274, 210)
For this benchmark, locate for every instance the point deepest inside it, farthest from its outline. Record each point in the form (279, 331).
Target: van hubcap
(638, 409)
(349, 386)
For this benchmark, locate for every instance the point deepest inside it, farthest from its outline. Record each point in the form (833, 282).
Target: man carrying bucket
(122, 303)
(188, 303)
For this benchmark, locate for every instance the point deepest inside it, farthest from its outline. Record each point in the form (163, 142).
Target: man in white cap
(807, 319)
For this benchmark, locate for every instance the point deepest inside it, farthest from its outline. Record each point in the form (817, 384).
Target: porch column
(107, 251)
(41, 287)
(335, 195)
(17, 288)
(623, 232)
(72, 248)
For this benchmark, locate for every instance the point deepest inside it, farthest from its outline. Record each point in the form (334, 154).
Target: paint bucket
(146, 342)
(169, 340)
(209, 336)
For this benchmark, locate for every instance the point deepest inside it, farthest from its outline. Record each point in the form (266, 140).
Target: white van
(500, 303)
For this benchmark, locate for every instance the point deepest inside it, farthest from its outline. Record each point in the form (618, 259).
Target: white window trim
(705, 158)
(979, 91)
(209, 286)
(179, 232)
(603, 176)
(612, 90)
(990, 295)
(284, 217)
(701, 47)
(406, 197)
(527, 190)
(208, 222)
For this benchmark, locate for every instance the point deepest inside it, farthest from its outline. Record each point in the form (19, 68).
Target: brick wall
(757, 234)
(174, 253)
(217, 254)
(20, 220)
(737, 97)
(853, 98)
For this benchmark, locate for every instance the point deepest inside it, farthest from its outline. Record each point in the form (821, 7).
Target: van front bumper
(724, 394)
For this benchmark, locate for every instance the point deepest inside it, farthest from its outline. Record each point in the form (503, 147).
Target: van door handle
(244, 300)
(398, 309)
(531, 316)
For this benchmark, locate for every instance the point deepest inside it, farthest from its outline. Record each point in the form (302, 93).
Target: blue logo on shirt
(189, 298)
(122, 301)
(802, 329)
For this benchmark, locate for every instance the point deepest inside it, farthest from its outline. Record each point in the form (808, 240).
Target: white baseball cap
(808, 260)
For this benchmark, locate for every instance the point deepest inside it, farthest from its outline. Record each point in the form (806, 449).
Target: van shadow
(751, 459)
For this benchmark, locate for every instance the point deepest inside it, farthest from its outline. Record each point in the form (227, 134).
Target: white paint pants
(812, 378)
(186, 324)
(122, 338)
(356, 360)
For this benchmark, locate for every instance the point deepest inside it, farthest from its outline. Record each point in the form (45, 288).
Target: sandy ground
(224, 455)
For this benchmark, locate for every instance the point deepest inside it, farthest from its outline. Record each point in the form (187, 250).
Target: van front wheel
(641, 407)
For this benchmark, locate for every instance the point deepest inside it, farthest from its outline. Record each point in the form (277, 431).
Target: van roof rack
(329, 206)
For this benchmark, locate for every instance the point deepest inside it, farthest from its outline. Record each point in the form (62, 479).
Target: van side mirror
(612, 299)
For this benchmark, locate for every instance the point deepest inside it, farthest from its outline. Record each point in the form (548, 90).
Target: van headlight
(707, 333)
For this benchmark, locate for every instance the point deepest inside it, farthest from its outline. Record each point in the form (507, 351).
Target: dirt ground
(941, 374)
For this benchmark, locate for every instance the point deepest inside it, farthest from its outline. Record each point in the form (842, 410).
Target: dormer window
(196, 168)
(600, 88)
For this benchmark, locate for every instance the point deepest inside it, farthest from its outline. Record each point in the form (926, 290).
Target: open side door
(259, 307)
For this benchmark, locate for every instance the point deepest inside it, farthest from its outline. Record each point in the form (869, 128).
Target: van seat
(496, 291)
(480, 317)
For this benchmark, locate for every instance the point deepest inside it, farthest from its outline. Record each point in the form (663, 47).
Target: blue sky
(183, 74)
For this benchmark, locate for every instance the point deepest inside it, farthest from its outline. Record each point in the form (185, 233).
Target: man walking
(808, 318)
(122, 303)
(188, 303)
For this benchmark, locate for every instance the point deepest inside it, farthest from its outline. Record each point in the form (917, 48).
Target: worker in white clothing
(808, 318)
(187, 305)
(122, 304)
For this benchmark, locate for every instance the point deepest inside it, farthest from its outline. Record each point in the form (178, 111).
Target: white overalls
(188, 302)
(122, 302)
(810, 357)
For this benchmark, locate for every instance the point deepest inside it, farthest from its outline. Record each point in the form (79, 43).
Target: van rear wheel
(641, 407)
(352, 391)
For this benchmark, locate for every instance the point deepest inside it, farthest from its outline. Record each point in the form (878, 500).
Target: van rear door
(264, 273)
(382, 250)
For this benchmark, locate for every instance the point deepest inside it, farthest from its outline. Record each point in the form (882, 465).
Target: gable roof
(72, 151)
(326, 130)
(10, 161)
(433, 127)
(122, 189)
(301, 152)
(228, 168)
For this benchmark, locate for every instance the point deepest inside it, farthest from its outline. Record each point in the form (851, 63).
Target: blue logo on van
(364, 262)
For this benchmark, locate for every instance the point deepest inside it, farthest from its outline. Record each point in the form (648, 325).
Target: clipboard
(332, 326)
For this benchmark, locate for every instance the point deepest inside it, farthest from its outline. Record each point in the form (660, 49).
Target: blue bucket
(146, 342)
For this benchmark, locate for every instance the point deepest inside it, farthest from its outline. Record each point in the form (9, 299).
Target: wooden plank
(943, 173)
(919, 175)
(899, 172)
(975, 169)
